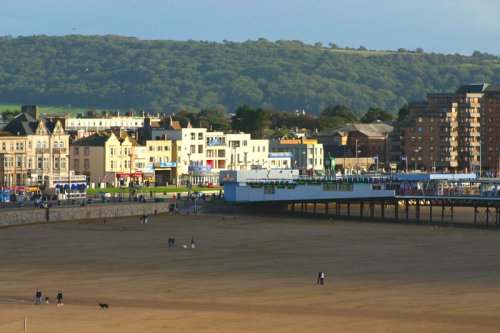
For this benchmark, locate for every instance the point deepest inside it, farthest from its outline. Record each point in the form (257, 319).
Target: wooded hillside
(120, 72)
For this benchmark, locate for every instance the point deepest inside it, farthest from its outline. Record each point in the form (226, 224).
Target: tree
(8, 115)
(251, 120)
(374, 114)
(336, 116)
(403, 112)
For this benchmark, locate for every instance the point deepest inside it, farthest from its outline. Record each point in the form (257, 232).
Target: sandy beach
(249, 274)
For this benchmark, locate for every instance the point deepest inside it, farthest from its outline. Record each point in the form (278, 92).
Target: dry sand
(250, 274)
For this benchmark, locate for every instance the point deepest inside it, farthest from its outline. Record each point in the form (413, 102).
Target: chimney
(32, 110)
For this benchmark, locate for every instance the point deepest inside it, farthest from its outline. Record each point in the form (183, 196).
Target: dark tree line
(270, 123)
(167, 76)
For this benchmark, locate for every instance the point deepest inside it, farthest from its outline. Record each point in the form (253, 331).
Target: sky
(442, 26)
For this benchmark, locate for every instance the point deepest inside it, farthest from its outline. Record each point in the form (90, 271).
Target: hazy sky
(446, 26)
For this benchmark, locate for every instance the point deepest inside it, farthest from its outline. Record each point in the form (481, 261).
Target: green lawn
(160, 189)
(50, 110)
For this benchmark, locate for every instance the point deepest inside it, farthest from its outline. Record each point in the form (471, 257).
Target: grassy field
(50, 110)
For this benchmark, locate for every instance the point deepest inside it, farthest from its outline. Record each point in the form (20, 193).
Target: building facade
(32, 150)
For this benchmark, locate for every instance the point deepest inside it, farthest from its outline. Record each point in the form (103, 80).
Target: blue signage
(199, 168)
(280, 155)
(168, 164)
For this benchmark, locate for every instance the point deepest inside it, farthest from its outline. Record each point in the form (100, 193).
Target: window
(76, 163)
(193, 136)
(86, 151)
(61, 144)
(86, 163)
(200, 136)
(151, 148)
(4, 146)
(200, 149)
(419, 119)
(39, 163)
(420, 129)
(56, 163)
(77, 150)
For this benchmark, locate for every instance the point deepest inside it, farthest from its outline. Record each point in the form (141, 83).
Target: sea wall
(71, 213)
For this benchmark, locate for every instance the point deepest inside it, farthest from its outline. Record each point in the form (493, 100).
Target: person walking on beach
(140, 220)
(192, 243)
(60, 298)
(145, 219)
(38, 297)
(321, 278)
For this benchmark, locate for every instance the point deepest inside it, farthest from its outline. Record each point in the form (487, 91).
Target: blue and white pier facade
(288, 185)
(407, 197)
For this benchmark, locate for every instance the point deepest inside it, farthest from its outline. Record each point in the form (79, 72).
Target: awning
(122, 175)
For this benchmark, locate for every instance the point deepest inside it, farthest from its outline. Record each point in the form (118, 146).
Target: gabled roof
(98, 139)
(23, 124)
(370, 130)
(493, 88)
(472, 88)
(122, 135)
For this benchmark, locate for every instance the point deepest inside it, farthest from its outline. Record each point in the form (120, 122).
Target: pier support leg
(407, 210)
(349, 209)
(430, 211)
(417, 211)
(487, 214)
(382, 210)
(372, 210)
(475, 215)
(361, 208)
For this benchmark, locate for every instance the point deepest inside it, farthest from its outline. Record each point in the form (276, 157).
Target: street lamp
(69, 178)
(189, 176)
(376, 156)
(130, 175)
(357, 156)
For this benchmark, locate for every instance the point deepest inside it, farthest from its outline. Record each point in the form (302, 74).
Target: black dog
(104, 306)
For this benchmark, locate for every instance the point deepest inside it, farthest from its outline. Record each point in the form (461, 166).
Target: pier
(408, 198)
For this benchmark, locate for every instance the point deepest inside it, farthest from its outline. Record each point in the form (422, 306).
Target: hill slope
(121, 72)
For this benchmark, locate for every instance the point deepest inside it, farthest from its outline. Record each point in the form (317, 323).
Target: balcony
(59, 150)
(448, 144)
(42, 151)
(451, 164)
(448, 134)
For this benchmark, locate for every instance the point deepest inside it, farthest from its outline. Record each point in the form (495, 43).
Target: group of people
(38, 298)
(171, 243)
(143, 219)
